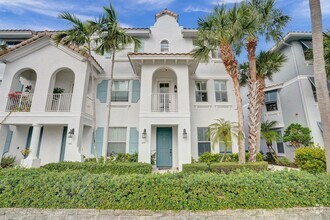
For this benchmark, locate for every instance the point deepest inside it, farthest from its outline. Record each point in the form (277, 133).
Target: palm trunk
(272, 151)
(254, 86)
(261, 95)
(231, 66)
(94, 106)
(320, 75)
(106, 129)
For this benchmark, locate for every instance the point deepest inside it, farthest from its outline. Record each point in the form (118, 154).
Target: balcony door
(164, 96)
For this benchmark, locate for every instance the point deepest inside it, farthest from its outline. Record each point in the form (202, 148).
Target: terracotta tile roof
(166, 11)
(14, 30)
(45, 34)
(159, 54)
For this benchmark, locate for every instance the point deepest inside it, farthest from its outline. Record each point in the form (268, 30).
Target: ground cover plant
(41, 188)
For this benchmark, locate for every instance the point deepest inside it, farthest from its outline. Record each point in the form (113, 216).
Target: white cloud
(302, 8)
(220, 2)
(155, 3)
(190, 8)
(47, 8)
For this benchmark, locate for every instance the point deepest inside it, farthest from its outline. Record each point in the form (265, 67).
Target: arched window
(164, 46)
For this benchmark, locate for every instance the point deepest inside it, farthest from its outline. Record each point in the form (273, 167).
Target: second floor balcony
(19, 102)
(58, 102)
(164, 102)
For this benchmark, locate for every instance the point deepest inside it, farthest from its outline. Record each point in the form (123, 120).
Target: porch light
(144, 134)
(184, 133)
(71, 133)
(175, 89)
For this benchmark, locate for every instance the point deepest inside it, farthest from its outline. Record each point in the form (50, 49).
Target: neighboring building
(162, 100)
(291, 95)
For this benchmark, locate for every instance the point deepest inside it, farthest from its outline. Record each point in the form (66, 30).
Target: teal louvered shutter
(136, 91)
(133, 140)
(99, 141)
(40, 139)
(102, 91)
(28, 140)
(8, 141)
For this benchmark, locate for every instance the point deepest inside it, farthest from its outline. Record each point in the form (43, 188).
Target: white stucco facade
(156, 106)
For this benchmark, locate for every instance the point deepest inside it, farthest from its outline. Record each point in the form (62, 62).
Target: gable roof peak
(167, 12)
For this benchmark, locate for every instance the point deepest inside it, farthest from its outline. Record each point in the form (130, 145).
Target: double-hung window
(164, 46)
(271, 100)
(220, 91)
(204, 143)
(120, 91)
(117, 140)
(279, 143)
(201, 91)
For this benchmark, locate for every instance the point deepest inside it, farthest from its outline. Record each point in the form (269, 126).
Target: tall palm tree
(112, 38)
(320, 74)
(267, 64)
(81, 35)
(222, 131)
(269, 135)
(222, 30)
(266, 20)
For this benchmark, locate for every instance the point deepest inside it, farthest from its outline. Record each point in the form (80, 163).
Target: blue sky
(42, 14)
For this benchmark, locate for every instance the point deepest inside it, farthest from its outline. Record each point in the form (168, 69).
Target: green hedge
(209, 157)
(311, 159)
(112, 168)
(202, 191)
(226, 167)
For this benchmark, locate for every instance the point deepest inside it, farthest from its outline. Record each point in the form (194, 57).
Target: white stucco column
(32, 160)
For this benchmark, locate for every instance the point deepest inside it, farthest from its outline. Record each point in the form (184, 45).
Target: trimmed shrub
(225, 167)
(203, 191)
(209, 157)
(195, 167)
(116, 158)
(8, 161)
(228, 167)
(97, 168)
(311, 159)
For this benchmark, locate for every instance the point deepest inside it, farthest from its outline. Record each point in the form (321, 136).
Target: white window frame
(220, 91)
(114, 91)
(117, 141)
(165, 46)
(271, 102)
(200, 91)
(203, 141)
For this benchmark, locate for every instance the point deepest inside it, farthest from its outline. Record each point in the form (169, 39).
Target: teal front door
(164, 147)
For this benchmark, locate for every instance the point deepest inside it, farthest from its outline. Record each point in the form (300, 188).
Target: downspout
(299, 83)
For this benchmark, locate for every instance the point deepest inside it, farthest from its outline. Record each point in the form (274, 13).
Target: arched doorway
(60, 91)
(21, 91)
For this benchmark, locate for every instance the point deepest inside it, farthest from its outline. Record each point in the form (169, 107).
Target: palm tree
(112, 38)
(222, 130)
(264, 19)
(81, 35)
(222, 29)
(320, 74)
(267, 63)
(269, 135)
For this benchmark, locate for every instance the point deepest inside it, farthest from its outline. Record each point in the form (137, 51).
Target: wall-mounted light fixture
(71, 133)
(144, 133)
(184, 133)
(175, 89)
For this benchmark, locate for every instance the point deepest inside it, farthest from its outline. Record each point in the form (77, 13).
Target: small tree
(297, 135)
(269, 135)
(222, 130)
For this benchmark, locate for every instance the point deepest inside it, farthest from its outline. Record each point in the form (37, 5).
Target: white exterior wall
(189, 114)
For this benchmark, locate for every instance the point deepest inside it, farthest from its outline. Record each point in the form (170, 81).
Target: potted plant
(25, 152)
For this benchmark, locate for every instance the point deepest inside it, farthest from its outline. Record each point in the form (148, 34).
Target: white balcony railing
(19, 102)
(164, 102)
(58, 102)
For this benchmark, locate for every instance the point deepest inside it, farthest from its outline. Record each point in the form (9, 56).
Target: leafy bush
(297, 135)
(8, 161)
(284, 162)
(117, 158)
(203, 191)
(225, 167)
(209, 157)
(112, 168)
(311, 159)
